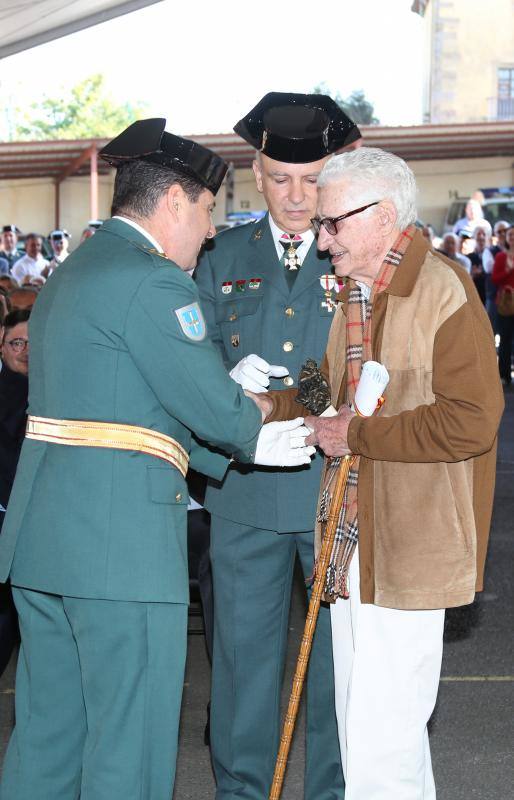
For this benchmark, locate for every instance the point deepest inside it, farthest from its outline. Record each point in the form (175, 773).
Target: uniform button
(287, 346)
(290, 312)
(288, 380)
(232, 318)
(178, 497)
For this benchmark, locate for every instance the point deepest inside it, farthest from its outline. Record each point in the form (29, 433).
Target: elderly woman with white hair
(412, 531)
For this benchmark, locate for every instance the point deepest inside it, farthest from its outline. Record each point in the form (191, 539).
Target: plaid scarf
(358, 351)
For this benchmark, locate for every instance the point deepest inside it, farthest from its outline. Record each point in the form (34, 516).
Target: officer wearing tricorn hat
(269, 298)
(94, 541)
(59, 241)
(9, 240)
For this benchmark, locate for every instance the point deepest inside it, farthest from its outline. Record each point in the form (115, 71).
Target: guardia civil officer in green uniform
(121, 374)
(268, 298)
(8, 250)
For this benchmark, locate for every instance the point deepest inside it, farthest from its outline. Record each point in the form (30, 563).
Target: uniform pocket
(239, 322)
(166, 485)
(232, 310)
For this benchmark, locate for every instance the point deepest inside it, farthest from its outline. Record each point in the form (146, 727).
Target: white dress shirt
(27, 266)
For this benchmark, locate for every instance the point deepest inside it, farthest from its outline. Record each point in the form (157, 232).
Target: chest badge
(234, 340)
(226, 287)
(240, 286)
(254, 283)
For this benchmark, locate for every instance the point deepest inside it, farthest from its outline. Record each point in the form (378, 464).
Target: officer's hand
(253, 373)
(282, 444)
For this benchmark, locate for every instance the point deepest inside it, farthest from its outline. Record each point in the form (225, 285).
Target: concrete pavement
(472, 731)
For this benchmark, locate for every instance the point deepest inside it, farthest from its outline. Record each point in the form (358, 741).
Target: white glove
(253, 373)
(282, 444)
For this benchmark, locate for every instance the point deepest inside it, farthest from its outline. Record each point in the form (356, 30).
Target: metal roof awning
(29, 23)
(58, 159)
(412, 143)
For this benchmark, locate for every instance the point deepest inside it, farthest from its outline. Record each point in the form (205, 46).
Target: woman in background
(503, 277)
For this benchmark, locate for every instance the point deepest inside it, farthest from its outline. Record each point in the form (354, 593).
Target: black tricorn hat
(58, 234)
(146, 140)
(10, 229)
(297, 128)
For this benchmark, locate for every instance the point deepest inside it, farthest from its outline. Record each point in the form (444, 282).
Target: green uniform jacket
(261, 316)
(107, 344)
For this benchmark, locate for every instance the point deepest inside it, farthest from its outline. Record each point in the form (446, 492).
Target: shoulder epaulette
(151, 251)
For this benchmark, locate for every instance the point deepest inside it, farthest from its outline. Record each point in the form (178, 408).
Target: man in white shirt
(32, 264)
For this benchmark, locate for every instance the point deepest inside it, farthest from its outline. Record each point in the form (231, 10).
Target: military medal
(240, 286)
(291, 260)
(328, 304)
(226, 287)
(327, 282)
(254, 283)
(290, 244)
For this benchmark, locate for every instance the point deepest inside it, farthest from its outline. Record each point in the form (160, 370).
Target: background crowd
(487, 254)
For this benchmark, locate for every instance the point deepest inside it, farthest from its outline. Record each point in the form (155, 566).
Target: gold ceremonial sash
(84, 433)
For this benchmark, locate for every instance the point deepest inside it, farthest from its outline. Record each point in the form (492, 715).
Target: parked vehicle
(498, 204)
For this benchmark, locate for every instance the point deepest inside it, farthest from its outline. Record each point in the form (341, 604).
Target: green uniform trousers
(252, 574)
(98, 692)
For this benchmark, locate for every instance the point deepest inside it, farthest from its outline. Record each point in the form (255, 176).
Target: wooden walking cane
(310, 627)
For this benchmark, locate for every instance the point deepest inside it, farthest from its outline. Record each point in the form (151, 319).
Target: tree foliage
(356, 106)
(82, 112)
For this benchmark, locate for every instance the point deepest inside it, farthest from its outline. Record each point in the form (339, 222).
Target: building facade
(469, 60)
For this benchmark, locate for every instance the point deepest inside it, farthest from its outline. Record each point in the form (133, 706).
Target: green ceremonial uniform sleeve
(204, 459)
(185, 371)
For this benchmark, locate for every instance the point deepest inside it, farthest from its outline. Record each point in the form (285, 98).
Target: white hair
(453, 236)
(375, 175)
(483, 226)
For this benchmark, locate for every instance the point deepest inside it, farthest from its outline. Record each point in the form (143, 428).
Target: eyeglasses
(330, 223)
(18, 345)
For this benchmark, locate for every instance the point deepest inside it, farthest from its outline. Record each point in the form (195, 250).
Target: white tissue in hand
(374, 379)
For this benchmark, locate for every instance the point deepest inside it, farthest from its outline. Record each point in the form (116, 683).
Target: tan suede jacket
(428, 458)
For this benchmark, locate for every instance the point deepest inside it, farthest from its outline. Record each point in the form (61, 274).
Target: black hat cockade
(146, 140)
(297, 128)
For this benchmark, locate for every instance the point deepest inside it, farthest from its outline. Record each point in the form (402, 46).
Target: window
(506, 93)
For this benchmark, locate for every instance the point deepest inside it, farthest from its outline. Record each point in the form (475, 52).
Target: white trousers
(387, 665)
